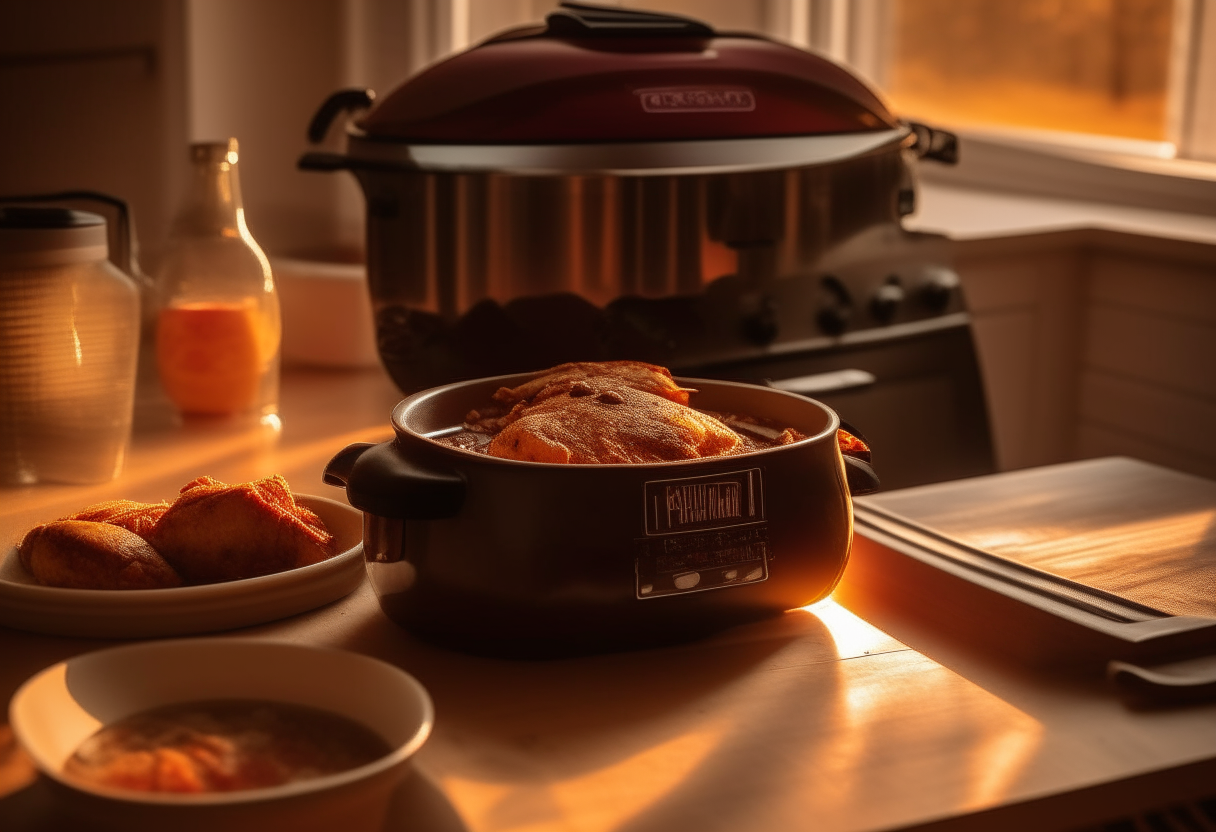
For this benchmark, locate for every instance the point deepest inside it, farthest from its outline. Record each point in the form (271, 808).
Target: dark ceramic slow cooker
(522, 558)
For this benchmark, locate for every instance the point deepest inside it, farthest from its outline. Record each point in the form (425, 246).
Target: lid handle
(580, 20)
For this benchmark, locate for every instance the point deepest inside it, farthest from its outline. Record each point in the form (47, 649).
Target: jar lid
(598, 74)
(32, 237)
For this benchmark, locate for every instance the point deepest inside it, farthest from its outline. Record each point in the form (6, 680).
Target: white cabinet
(1096, 343)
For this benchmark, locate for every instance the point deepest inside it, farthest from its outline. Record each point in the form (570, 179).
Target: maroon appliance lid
(600, 75)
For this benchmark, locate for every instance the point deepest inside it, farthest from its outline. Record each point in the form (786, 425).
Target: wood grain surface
(1124, 526)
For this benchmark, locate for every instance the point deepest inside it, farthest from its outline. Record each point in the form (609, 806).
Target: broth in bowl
(223, 746)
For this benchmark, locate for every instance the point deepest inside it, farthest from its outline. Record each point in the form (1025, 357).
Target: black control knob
(939, 289)
(834, 320)
(887, 300)
(835, 308)
(758, 320)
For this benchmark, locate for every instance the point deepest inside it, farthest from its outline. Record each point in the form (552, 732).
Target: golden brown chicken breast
(583, 378)
(637, 375)
(79, 554)
(617, 425)
(218, 532)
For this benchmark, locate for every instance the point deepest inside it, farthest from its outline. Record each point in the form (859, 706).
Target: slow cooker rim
(416, 399)
(752, 153)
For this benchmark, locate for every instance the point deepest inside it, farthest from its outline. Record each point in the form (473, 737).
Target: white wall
(1148, 367)
(92, 98)
(257, 72)
(106, 96)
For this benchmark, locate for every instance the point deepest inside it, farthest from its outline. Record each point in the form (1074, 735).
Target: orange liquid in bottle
(210, 356)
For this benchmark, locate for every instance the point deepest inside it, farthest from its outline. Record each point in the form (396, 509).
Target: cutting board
(1080, 563)
(1140, 531)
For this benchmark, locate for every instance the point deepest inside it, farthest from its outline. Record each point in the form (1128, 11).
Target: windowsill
(1081, 177)
(1021, 182)
(978, 213)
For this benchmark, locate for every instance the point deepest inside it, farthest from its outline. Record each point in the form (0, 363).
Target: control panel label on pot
(702, 533)
(676, 564)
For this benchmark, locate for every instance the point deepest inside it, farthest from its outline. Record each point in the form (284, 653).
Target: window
(1084, 66)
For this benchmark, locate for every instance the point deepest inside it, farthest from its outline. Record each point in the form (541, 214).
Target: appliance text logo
(697, 100)
(707, 502)
(716, 501)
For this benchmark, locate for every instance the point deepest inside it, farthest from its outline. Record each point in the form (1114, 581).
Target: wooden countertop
(815, 719)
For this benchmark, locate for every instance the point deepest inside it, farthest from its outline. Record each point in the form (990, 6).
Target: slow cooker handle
(342, 101)
(859, 473)
(934, 144)
(379, 481)
(860, 476)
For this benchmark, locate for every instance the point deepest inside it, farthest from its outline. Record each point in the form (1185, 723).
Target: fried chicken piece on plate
(621, 425)
(80, 554)
(218, 532)
(587, 378)
(139, 518)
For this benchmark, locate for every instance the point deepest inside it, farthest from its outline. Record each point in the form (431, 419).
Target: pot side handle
(380, 482)
(860, 476)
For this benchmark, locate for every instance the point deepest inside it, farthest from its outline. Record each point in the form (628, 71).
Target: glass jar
(218, 328)
(69, 344)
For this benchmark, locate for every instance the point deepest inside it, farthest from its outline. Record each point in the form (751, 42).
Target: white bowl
(327, 313)
(56, 710)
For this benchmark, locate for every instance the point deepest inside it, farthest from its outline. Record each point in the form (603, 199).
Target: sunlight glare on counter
(853, 636)
(603, 798)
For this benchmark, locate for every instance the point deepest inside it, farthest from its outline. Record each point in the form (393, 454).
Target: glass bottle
(218, 328)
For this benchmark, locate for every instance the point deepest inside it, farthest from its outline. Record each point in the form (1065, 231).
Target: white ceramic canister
(69, 343)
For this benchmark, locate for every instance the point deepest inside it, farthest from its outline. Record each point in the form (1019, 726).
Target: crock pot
(614, 184)
(518, 558)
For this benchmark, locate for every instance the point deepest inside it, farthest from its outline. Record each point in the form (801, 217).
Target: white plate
(151, 613)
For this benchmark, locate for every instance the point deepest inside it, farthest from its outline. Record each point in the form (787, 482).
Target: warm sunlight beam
(853, 637)
(605, 798)
(998, 761)
(1006, 738)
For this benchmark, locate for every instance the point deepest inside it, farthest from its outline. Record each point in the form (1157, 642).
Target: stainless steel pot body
(481, 272)
(518, 558)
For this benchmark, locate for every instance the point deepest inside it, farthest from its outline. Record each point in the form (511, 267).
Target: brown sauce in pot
(754, 435)
(223, 746)
(607, 413)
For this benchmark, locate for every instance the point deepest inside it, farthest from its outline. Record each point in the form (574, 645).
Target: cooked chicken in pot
(618, 424)
(604, 413)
